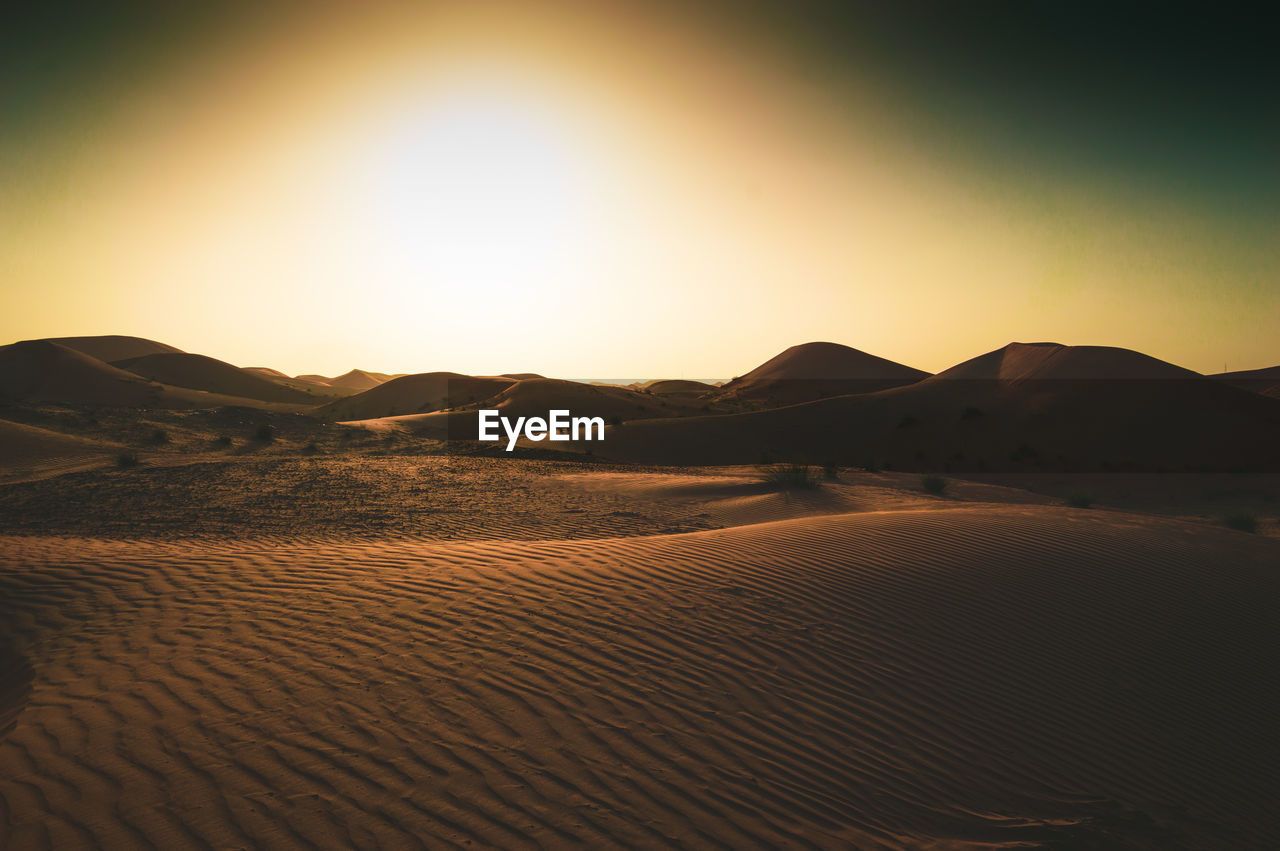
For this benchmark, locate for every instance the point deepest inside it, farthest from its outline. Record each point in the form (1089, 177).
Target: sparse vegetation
(831, 471)
(222, 440)
(265, 433)
(871, 467)
(615, 420)
(127, 460)
(311, 448)
(933, 484)
(1080, 500)
(159, 436)
(789, 477)
(1241, 521)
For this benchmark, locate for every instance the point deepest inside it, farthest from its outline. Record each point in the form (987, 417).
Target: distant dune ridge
(1021, 407)
(1056, 362)
(677, 387)
(816, 370)
(113, 347)
(412, 394)
(199, 372)
(358, 379)
(44, 371)
(530, 397)
(1265, 381)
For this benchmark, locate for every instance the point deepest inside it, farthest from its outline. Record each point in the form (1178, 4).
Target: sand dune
(320, 390)
(113, 347)
(1056, 362)
(677, 387)
(411, 394)
(1265, 381)
(37, 370)
(264, 371)
(1021, 408)
(27, 447)
(535, 397)
(359, 380)
(975, 677)
(817, 370)
(199, 372)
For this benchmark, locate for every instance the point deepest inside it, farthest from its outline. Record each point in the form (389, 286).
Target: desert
(253, 625)
(823, 424)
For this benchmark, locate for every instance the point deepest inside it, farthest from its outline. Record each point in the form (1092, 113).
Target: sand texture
(980, 676)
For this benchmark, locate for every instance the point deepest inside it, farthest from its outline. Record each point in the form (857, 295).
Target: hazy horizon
(667, 191)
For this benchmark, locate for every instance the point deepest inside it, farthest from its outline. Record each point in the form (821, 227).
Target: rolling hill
(1025, 407)
(44, 371)
(1265, 381)
(199, 372)
(817, 370)
(113, 347)
(413, 394)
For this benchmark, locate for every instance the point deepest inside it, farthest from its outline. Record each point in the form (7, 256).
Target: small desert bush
(831, 471)
(265, 433)
(1080, 500)
(158, 437)
(127, 460)
(311, 448)
(789, 476)
(1242, 521)
(615, 420)
(222, 440)
(933, 484)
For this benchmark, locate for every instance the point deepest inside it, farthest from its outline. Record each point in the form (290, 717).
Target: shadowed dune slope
(320, 390)
(24, 446)
(113, 347)
(677, 387)
(1056, 362)
(1021, 408)
(199, 372)
(817, 370)
(411, 394)
(360, 380)
(1265, 381)
(536, 397)
(968, 678)
(41, 371)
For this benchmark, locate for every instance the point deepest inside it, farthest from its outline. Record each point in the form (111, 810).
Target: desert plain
(834, 602)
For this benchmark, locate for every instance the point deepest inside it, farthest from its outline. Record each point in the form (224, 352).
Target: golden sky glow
(579, 191)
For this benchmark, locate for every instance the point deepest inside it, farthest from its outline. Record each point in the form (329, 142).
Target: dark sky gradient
(1183, 98)
(1112, 142)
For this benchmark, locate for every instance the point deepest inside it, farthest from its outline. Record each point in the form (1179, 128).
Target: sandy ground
(271, 650)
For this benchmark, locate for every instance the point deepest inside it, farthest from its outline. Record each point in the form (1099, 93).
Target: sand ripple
(961, 678)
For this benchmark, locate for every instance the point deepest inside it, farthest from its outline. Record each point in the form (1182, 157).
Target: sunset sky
(661, 189)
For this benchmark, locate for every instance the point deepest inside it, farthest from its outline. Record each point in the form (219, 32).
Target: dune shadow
(16, 675)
